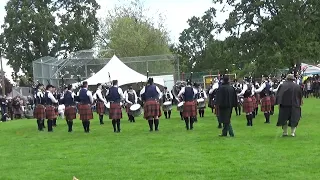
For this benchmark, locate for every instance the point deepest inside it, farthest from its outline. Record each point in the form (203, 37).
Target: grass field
(257, 152)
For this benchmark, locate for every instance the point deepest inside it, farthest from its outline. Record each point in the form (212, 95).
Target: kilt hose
(85, 112)
(189, 109)
(115, 111)
(266, 104)
(273, 100)
(70, 113)
(248, 105)
(254, 101)
(100, 108)
(50, 112)
(128, 108)
(151, 109)
(39, 112)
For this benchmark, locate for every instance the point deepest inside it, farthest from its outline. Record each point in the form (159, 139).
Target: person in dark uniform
(40, 111)
(213, 93)
(289, 99)
(226, 100)
(238, 87)
(188, 94)
(85, 110)
(151, 94)
(100, 103)
(166, 97)
(264, 94)
(248, 102)
(115, 96)
(50, 108)
(131, 98)
(56, 105)
(70, 108)
(201, 94)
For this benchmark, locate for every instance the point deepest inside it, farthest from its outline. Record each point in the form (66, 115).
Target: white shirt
(263, 85)
(245, 87)
(119, 91)
(157, 89)
(204, 94)
(275, 90)
(40, 94)
(51, 97)
(214, 87)
(168, 92)
(183, 90)
(126, 95)
(99, 96)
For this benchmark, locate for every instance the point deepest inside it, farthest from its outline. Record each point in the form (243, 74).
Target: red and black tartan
(273, 100)
(115, 111)
(248, 105)
(266, 104)
(50, 112)
(257, 96)
(100, 107)
(254, 101)
(70, 113)
(151, 109)
(85, 112)
(189, 109)
(40, 112)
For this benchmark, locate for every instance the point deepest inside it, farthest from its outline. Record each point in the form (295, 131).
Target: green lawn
(257, 152)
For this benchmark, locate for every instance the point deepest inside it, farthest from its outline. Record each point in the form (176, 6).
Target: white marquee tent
(121, 72)
(310, 69)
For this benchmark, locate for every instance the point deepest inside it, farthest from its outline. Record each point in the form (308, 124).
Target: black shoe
(220, 135)
(219, 127)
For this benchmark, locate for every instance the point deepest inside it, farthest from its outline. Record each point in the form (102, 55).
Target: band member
(56, 105)
(50, 100)
(115, 96)
(70, 108)
(100, 103)
(131, 98)
(210, 103)
(238, 87)
(257, 98)
(248, 102)
(189, 106)
(213, 92)
(226, 100)
(201, 94)
(264, 93)
(151, 94)
(40, 110)
(85, 110)
(289, 99)
(167, 97)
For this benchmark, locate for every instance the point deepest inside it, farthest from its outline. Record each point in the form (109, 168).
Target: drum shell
(180, 108)
(167, 106)
(136, 113)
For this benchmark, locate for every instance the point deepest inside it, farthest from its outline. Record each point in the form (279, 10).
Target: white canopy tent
(310, 69)
(121, 72)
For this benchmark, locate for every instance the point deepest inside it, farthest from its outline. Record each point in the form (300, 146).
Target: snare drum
(136, 110)
(167, 106)
(201, 103)
(180, 106)
(107, 109)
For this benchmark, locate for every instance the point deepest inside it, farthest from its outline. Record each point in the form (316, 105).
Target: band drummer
(167, 102)
(201, 99)
(131, 98)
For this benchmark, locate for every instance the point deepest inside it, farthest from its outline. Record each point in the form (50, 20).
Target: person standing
(248, 101)
(188, 94)
(213, 93)
(70, 108)
(167, 97)
(100, 105)
(201, 95)
(50, 100)
(264, 93)
(85, 110)
(226, 100)
(151, 94)
(289, 99)
(115, 96)
(40, 110)
(131, 98)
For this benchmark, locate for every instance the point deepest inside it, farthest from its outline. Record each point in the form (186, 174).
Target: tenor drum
(201, 103)
(136, 110)
(107, 109)
(167, 106)
(180, 106)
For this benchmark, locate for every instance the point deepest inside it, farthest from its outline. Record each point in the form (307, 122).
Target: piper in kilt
(70, 108)
(167, 97)
(50, 100)
(84, 107)
(114, 96)
(264, 92)
(151, 94)
(213, 92)
(40, 110)
(189, 107)
(248, 101)
(100, 104)
(131, 98)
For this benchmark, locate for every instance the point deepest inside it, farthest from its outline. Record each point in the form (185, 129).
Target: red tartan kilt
(216, 110)
(189, 109)
(40, 112)
(273, 100)
(151, 109)
(85, 112)
(257, 98)
(115, 111)
(266, 104)
(70, 113)
(100, 107)
(248, 105)
(254, 101)
(50, 112)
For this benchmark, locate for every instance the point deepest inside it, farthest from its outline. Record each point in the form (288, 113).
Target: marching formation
(191, 99)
